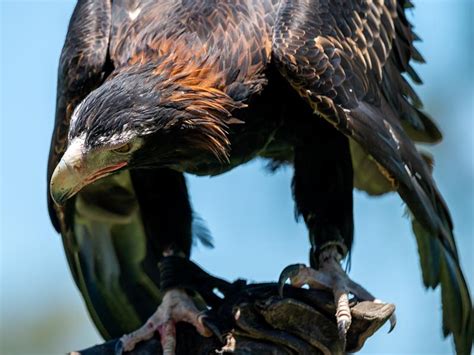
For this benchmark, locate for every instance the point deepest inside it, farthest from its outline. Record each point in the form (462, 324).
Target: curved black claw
(287, 273)
(118, 350)
(211, 324)
(393, 322)
(342, 328)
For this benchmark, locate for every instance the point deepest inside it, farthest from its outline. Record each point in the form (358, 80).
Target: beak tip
(68, 176)
(56, 196)
(58, 191)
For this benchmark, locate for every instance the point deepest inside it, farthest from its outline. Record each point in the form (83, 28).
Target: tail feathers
(457, 307)
(425, 132)
(440, 266)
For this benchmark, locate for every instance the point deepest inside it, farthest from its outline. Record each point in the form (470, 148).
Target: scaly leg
(167, 218)
(323, 189)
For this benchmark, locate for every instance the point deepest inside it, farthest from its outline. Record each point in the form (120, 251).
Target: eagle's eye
(123, 148)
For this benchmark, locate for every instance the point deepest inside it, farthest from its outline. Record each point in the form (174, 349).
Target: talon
(288, 272)
(118, 350)
(342, 328)
(214, 328)
(393, 322)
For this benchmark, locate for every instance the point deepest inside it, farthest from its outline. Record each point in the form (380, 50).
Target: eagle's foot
(330, 276)
(177, 306)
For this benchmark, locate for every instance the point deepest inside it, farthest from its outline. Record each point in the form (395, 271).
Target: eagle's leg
(322, 188)
(167, 217)
(177, 306)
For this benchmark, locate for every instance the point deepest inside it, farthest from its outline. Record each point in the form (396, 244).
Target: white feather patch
(133, 14)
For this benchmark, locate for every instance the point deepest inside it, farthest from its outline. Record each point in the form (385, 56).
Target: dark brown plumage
(203, 86)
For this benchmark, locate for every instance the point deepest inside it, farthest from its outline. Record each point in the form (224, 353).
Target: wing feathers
(352, 76)
(81, 68)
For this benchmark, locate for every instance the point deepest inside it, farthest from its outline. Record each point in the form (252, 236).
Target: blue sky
(249, 211)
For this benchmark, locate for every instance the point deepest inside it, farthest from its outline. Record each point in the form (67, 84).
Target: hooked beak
(75, 171)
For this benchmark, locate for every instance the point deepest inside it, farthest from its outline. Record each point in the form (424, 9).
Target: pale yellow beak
(75, 171)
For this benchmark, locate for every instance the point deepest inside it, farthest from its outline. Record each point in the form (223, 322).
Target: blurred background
(249, 211)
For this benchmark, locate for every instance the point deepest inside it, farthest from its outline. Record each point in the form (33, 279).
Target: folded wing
(113, 264)
(347, 57)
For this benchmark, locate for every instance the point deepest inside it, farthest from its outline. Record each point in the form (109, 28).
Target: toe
(343, 312)
(128, 341)
(167, 332)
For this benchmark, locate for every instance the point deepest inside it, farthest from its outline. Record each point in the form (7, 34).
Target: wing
(82, 67)
(113, 264)
(346, 57)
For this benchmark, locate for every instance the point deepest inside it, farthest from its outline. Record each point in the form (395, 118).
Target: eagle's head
(141, 119)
